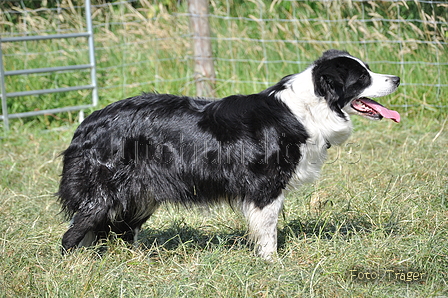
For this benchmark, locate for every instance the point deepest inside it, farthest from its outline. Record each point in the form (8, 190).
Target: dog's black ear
(329, 86)
(329, 83)
(333, 53)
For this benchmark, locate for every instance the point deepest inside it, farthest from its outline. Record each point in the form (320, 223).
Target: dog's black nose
(395, 80)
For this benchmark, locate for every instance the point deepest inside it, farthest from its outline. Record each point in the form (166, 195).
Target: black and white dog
(135, 154)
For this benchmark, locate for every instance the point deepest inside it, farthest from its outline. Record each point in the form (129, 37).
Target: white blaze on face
(381, 85)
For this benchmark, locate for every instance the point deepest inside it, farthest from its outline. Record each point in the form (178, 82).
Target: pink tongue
(386, 113)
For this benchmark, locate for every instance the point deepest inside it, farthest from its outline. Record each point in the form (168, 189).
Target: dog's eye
(362, 77)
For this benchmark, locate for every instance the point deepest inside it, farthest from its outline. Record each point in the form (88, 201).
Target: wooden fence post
(204, 70)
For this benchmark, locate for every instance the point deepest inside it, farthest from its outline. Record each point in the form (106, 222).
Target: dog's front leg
(263, 226)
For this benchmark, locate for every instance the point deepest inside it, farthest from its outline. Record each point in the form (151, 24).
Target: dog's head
(348, 84)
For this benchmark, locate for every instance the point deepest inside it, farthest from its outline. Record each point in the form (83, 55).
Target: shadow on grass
(327, 228)
(179, 234)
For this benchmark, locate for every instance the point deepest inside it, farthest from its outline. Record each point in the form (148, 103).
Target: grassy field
(149, 48)
(380, 210)
(382, 204)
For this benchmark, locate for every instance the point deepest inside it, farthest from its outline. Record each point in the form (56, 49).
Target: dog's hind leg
(83, 230)
(263, 226)
(89, 239)
(129, 225)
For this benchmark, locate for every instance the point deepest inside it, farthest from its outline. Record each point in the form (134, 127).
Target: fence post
(3, 90)
(204, 70)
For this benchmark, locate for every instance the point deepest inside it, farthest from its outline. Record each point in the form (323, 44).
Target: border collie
(135, 154)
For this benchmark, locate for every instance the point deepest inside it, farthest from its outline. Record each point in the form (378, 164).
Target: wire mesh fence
(147, 45)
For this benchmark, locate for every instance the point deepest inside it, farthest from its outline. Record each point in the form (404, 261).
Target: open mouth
(371, 109)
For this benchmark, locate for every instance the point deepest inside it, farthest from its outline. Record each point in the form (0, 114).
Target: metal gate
(92, 66)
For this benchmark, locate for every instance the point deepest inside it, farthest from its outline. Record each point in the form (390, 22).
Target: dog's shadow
(181, 235)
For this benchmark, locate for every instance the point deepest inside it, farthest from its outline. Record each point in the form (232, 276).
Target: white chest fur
(322, 125)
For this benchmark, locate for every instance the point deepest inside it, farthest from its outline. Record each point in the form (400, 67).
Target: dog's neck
(299, 96)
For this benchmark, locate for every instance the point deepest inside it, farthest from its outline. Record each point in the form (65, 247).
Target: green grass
(381, 204)
(149, 49)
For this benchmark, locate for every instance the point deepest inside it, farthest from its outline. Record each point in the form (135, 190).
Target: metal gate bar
(92, 66)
